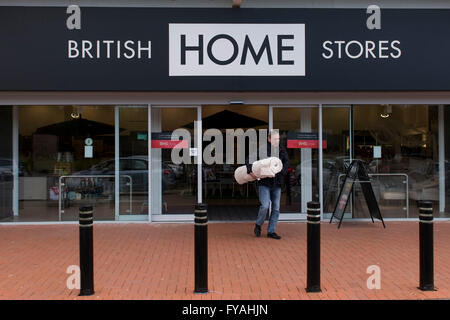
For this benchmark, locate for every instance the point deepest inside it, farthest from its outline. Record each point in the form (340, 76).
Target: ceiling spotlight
(387, 110)
(76, 112)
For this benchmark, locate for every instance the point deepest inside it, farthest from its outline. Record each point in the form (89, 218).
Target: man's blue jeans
(267, 194)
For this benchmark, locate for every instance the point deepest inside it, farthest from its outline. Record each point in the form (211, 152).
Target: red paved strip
(156, 261)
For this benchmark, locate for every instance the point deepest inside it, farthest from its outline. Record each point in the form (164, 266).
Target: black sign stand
(357, 170)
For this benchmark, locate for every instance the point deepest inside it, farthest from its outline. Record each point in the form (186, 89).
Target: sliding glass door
(336, 129)
(132, 162)
(298, 128)
(175, 186)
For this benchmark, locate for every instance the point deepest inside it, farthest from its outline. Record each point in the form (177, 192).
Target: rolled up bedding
(241, 175)
(265, 168)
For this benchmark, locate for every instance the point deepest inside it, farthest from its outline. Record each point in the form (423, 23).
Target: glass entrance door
(298, 127)
(239, 128)
(175, 184)
(300, 134)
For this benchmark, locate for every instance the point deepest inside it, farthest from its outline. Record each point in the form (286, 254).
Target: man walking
(269, 189)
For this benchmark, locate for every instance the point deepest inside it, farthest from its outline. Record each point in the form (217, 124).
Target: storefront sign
(202, 49)
(163, 140)
(236, 49)
(307, 140)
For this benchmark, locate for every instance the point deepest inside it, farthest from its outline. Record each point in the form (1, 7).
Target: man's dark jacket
(278, 180)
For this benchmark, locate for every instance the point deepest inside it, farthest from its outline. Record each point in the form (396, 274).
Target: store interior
(67, 159)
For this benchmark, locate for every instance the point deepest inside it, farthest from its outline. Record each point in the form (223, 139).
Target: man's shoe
(273, 235)
(257, 230)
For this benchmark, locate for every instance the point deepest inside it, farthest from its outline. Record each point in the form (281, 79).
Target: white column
(149, 154)
(441, 146)
(306, 165)
(350, 137)
(156, 167)
(15, 154)
(320, 162)
(271, 118)
(199, 155)
(116, 162)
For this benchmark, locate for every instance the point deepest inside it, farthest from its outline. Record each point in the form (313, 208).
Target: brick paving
(156, 261)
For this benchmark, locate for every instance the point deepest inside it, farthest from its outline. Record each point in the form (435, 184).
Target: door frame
(299, 215)
(197, 144)
(320, 106)
(347, 215)
(117, 215)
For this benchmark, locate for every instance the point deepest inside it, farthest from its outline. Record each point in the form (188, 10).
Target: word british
(99, 49)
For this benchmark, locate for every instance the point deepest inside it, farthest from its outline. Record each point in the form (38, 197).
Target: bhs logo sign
(236, 49)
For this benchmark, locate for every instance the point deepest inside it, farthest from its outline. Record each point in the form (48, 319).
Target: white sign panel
(204, 49)
(377, 152)
(88, 151)
(193, 152)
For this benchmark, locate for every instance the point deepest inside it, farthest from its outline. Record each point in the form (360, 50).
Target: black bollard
(313, 247)
(426, 246)
(86, 251)
(201, 248)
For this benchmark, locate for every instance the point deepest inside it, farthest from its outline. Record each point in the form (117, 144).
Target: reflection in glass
(227, 200)
(174, 186)
(301, 181)
(336, 155)
(408, 141)
(133, 161)
(52, 144)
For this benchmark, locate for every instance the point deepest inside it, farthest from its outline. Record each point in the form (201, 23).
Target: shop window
(399, 144)
(52, 141)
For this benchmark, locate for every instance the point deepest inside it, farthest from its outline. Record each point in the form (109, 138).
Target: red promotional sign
(169, 144)
(307, 144)
(163, 140)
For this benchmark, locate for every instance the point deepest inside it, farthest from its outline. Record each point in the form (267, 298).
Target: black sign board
(164, 135)
(357, 170)
(308, 140)
(222, 49)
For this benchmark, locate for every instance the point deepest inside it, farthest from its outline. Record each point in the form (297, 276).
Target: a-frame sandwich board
(355, 171)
